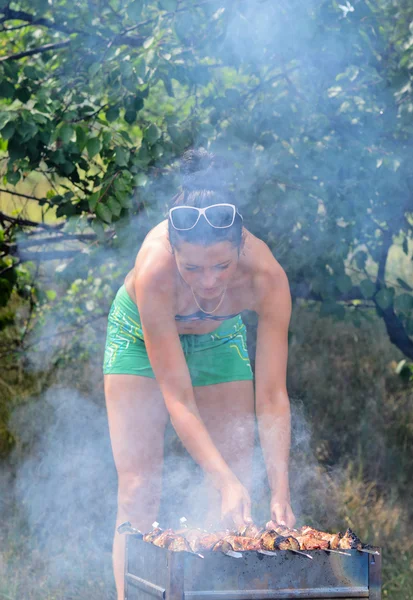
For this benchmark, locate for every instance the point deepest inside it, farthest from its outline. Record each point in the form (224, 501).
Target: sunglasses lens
(220, 216)
(184, 217)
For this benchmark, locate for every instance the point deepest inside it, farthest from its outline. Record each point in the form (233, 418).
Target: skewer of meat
(336, 541)
(271, 540)
(308, 540)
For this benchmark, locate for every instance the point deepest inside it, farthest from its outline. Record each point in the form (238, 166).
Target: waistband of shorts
(226, 329)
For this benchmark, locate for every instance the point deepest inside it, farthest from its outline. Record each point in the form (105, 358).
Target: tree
(312, 104)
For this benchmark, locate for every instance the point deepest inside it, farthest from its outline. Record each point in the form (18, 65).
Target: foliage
(311, 103)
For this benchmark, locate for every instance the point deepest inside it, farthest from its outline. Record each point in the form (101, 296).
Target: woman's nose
(209, 280)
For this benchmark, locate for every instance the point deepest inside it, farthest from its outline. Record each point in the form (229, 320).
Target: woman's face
(207, 269)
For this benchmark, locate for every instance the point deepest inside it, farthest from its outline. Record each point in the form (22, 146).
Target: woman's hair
(203, 184)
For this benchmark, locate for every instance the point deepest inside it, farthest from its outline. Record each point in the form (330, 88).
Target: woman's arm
(168, 362)
(272, 402)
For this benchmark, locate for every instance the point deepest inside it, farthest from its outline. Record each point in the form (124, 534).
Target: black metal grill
(152, 572)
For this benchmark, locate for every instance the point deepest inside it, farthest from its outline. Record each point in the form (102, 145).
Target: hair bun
(202, 170)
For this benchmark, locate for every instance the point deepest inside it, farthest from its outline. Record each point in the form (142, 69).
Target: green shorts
(215, 357)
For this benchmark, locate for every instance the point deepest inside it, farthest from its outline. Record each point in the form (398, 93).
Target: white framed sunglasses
(219, 216)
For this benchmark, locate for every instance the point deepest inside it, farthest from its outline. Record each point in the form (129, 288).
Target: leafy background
(311, 104)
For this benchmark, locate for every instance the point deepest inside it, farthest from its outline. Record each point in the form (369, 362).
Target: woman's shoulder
(268, 276)
(155, 263)
(258, 257)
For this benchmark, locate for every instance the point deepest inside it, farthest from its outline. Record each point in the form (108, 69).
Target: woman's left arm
(272, 402)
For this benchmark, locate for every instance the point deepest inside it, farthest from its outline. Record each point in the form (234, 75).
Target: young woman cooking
(176, 348)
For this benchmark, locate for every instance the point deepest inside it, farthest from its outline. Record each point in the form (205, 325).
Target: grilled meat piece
(286, 543)
(170, 540)
(179, 544)
(241, 543)
(267, 540)
(149, 537)
(306, 542)
(251, 531)
(199, 540)
(350, 541)
(223, 546)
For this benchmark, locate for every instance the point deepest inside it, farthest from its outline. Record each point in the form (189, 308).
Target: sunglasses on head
(218, 216)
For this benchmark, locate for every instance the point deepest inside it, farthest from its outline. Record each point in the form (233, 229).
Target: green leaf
(405, 246)
(31, 72)
(15, 148)
(403, 303)
(140, 67)
(66, 132)
(152, 134)
(27, 130)
(8, 130)
(23, 94)
(6, 89)
(384, 298)
(114, 206)
(169, 5)
(121, 156)
(134, 10)
(103, 212)
(93, 69)
(168, 85)
(130, 115)
(148, 42)
(51, 294)
(112, 113)
(343, 283)
(404, 285)
(332, 309)
(138, 103)
(92, 200)
(140, 180)
(124, 200)
(13, 177)
(361, 258)
(367, 288)
(93, 146)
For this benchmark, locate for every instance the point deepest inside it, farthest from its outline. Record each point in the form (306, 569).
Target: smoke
(65, 484)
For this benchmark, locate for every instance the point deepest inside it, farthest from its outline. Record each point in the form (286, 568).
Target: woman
(176, 347)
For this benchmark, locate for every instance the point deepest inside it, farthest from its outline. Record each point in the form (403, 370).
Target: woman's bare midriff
(239, 296)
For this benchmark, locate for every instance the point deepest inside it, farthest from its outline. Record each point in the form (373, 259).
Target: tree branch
(13, 193)
(48, 255)
(20, 15)
(395, 328)
(28, 223)
(15, 248)
(39, 50)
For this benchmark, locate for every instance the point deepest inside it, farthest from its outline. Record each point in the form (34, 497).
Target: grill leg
(375, 577)
(175, 577)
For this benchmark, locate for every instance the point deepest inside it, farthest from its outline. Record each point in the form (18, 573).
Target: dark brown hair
(204, 182)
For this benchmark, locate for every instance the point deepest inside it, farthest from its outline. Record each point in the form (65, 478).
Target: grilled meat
(168, 539)
(286, 543)
(241, 543)
(251, 531)
(350, 541)
(199, 540)
(306, 541)
(251, 537)
(149, 537)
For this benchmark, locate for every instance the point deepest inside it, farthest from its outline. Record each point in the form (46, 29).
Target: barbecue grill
(152, 572)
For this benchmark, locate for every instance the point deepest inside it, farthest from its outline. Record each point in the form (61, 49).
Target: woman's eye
(191, 268)
(222, 268)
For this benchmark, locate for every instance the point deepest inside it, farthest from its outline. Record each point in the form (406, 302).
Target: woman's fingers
(282, 514)
(247, 510)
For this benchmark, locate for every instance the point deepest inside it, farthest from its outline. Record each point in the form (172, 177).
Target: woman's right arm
(153, 295)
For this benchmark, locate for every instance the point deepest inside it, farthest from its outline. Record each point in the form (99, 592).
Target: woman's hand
(281, 511)
(235, 504)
